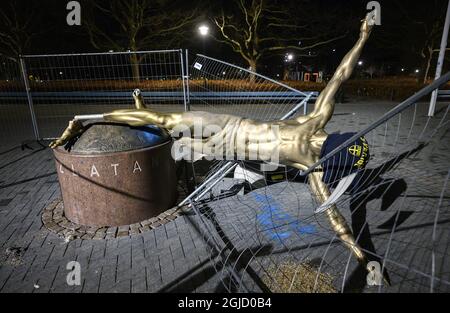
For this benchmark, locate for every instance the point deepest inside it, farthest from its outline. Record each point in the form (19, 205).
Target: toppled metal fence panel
(221, 87)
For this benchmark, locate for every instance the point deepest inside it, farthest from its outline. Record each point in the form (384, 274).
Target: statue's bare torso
(294, 142)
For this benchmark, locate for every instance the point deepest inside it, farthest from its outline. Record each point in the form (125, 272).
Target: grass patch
(298, 278)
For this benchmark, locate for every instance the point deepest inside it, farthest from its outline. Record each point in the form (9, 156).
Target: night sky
(394, 45)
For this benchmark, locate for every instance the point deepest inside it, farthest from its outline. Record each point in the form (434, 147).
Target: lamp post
(203, 31)
(288, 58)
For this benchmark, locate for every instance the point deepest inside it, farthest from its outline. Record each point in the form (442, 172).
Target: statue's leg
(338, 222)
(336, 219)
(324, 106)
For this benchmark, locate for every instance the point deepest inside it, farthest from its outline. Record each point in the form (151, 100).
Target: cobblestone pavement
(175, 256)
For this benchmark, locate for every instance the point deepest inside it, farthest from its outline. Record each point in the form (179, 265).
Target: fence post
(183, 81)
(187, 78)
(30, 99)
(440, 62)
(305, 106)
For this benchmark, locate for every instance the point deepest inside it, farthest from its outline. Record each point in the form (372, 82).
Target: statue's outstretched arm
(324, 106)
(133, 117)
(74, 129)
(143, 117)
(138, 99)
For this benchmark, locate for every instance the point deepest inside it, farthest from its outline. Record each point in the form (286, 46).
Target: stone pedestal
(116, 175)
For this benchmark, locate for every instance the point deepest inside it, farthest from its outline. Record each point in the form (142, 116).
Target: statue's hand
(75, 127)
(368, 23)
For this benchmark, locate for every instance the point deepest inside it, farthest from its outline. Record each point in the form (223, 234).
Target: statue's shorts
(349, 159)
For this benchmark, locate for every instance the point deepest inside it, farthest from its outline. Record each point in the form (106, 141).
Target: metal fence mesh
(66, 85)
(270, 238)
(15, 118)
(220, 87)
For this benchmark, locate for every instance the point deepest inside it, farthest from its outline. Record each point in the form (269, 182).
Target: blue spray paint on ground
(277, 223)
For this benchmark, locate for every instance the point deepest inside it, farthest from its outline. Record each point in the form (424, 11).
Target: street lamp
(360, 63)
(287, 67)
(203, 30)
(288, 57)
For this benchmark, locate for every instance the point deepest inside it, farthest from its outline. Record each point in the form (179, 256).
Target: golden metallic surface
(335, 218)
(138, 99)
(297, 141)
(75, 128)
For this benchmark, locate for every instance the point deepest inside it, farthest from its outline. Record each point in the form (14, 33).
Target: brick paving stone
(149, 261)
(155, 225)
(139, 285)
(123, 231)
(111, 230)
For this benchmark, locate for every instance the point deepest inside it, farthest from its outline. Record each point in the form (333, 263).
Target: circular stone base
(54, 220)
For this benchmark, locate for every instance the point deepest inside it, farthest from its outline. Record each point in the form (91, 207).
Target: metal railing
(60, 86)
(15, 119)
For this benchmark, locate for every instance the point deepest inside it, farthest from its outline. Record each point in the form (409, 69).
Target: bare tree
(371, 69)
(135, 25)
(429, 49)
(16, 30)
(421, 30)
(253, 28)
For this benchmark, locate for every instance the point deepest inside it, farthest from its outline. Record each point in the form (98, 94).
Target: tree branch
(305, 47)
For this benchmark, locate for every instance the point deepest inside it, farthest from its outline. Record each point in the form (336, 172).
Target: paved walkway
(175, 256)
